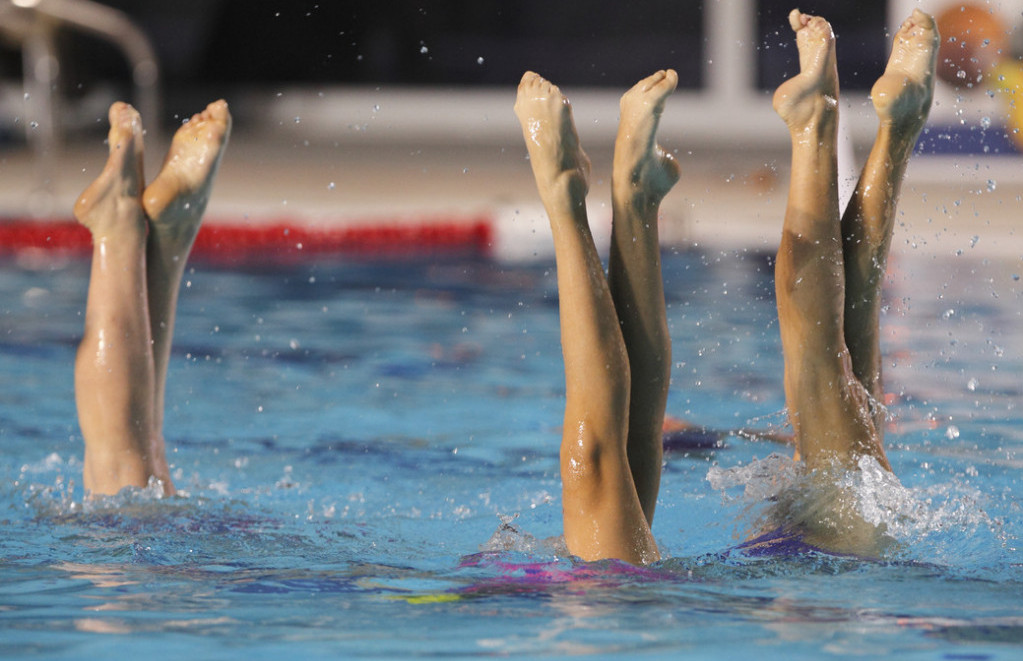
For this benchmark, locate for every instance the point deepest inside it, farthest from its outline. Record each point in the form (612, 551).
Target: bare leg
(828, 407)
(175, 202)
(602, 513)
(643, 175)
(902, 98)
(114, 371)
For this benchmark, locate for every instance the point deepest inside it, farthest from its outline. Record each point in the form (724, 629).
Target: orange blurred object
(973, 41)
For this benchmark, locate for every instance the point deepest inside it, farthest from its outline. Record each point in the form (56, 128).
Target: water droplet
(985, 122)
(331, 186)
(479, 60)
(34, 125)
(991, 185)
(298, 119)
(952, 432)
(971, 385)
(424, 50)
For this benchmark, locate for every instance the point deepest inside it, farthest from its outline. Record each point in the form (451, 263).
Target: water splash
(508, 538)
(864, 511)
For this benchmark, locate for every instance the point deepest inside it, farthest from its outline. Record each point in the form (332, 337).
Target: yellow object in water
(439, 598)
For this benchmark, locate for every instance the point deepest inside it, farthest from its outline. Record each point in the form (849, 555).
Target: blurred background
(397, 113)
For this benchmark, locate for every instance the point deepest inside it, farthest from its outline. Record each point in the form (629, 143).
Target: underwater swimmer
(614, 330)
(828, 278)
(829, 269)
(141, 240)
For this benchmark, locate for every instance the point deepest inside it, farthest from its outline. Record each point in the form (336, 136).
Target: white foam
(856, 509)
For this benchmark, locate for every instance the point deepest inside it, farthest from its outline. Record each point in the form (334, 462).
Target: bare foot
(813, 92)
(902, 95)
(114, 197)
(650, 170)
(551, 140)
(176, 199)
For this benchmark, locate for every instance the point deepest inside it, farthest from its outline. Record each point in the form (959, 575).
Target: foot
(902, 96)
(558, 160)
(649, 169)
(812, 94)
(176, 200)
(113, 200)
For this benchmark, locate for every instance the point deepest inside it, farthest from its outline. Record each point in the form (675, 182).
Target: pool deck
(309, 174)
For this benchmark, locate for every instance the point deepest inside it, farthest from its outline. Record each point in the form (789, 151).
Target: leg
(175, 202)
(114, 373)
(828, 407)
(902, 98)
(602, 514)
(643, 175)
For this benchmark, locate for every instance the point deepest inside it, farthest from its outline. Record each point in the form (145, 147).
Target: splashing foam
(508, 538)
(864, 511)
(56, 499)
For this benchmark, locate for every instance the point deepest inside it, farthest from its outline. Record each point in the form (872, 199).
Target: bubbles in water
(952, 432)
(972, 384)
(424, 50)
(991, 185)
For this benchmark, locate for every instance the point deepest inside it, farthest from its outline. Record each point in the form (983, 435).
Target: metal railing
(32, 25)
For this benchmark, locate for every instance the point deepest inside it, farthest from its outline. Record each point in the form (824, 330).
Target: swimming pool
(354, 437)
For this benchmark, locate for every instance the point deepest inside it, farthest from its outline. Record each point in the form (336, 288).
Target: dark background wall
(213, 44)
(599, 42)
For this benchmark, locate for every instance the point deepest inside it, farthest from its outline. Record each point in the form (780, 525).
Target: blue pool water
(369, 453)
